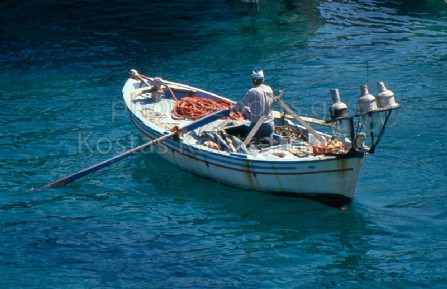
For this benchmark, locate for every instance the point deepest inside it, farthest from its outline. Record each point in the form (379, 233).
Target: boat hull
(315, 175)
(334, 177)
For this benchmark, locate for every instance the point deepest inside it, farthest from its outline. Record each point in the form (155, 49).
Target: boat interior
(290, 140)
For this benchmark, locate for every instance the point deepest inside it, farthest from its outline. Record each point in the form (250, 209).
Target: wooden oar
(282, 115)
(189, 127)
(305, 124)
(258, 124)
(254, 130)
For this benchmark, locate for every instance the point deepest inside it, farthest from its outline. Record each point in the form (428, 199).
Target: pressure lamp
(369, 115)
(338, 108)
(339, 112)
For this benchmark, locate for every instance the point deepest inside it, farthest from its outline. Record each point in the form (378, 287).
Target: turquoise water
(143, 223)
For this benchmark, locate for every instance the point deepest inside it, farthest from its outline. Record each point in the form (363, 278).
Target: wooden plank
(277, 114)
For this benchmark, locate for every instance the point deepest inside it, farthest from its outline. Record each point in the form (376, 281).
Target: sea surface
(143, 223)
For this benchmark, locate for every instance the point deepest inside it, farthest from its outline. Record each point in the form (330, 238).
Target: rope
(193, 107)
(172, 93)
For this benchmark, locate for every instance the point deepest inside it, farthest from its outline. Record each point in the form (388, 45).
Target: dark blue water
(145, 224)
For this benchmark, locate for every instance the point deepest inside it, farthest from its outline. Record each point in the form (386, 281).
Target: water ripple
(144, 223)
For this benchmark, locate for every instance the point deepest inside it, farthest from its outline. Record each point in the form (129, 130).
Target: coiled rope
(193, 107)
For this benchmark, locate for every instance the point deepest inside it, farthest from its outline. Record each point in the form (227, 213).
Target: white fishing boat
(297, 161)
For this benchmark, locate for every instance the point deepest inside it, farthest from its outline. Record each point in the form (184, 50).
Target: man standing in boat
(259, 100)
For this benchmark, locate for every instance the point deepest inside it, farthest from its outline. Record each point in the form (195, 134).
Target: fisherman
(259, 100)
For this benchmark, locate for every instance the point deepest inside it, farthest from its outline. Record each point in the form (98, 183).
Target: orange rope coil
(193, 107)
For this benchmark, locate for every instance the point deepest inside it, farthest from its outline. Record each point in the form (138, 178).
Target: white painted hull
(317, 176)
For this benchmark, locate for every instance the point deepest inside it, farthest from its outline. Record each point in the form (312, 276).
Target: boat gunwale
(227, 155)
(174, 144)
